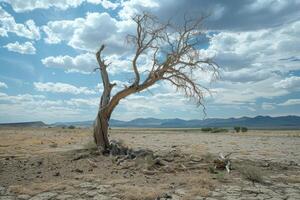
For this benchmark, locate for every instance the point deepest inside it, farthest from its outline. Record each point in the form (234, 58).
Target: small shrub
(219, 130)
(237, 129)
(244, 129)
(206, 129)
(71, 127)
(214, 130)
(221, 177)
(252, 173)
(212, 169)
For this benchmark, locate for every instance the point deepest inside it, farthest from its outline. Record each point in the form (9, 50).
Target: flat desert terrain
(56, 163)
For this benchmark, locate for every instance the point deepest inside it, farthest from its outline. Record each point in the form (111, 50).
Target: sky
(47, 57)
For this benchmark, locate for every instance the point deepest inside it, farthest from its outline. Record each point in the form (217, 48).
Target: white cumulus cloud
(30, 5)
(107, 4)
(62, 88)
(22, 48)
(90, 32)
(30, 107)
(9, 25)
(84, 63)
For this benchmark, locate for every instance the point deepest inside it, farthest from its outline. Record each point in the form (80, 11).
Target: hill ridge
(260, 122)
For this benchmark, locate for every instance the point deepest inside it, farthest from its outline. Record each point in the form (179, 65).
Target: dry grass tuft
(251, 173)
(90, 145)
(203, 180)
(199, 185)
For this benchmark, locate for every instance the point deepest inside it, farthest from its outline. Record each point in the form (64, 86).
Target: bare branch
(105, 79)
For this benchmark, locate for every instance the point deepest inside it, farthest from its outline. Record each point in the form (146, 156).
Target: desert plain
(62, 163)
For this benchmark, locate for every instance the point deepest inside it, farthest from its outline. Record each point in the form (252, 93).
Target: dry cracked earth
(56, 163)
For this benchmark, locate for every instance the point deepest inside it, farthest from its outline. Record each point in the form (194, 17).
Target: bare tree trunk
(101, 122)
(101, 131)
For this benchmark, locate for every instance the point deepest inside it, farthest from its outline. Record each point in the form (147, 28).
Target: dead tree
(174, 51)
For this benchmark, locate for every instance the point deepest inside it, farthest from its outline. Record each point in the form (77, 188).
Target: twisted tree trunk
(103, 116)
(101, 131)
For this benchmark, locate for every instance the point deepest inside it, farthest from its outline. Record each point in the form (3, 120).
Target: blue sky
(47, 58)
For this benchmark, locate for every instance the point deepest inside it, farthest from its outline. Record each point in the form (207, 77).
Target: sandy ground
(277, 146)
(55, 163)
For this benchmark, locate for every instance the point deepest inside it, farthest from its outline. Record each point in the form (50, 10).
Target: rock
(23, 197)
(78, 170)
(44, 196)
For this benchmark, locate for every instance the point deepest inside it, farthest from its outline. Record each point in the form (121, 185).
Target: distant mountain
(265, 122)
(24, 124)
(258, 122)
(80, 123)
